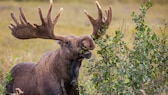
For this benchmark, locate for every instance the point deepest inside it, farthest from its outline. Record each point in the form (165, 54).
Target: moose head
(54, 65)
(71, 44)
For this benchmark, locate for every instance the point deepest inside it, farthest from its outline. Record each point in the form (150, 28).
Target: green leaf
(8, 77)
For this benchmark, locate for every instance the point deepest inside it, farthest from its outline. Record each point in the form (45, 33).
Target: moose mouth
(86, 54)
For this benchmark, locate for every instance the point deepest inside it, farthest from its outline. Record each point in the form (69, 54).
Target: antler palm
(25, 30)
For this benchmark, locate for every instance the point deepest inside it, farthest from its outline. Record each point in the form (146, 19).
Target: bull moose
(52, 74)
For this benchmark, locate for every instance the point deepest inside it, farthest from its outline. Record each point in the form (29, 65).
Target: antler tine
(22, 15)
(109, 16)
(91, 19)
(21, 20)
(49, 11)
(41, 16)
(57, 37)
(101, 23)
(58, 15)
(100, 14)
(48, 14)
(11, 26)
(14, 18)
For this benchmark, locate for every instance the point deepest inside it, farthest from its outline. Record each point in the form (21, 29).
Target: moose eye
(68, 44)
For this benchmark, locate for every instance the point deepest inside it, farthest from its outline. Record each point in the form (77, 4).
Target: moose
(53, 74)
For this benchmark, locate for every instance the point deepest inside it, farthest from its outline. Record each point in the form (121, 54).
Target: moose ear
(60, 43)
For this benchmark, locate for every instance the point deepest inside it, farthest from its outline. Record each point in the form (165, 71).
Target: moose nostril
(92, 47)
(85, 48)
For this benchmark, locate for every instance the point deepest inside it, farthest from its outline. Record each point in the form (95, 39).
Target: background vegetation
(140, 70)
(72, 22)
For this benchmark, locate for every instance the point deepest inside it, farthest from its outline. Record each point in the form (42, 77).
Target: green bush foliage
(141, 70)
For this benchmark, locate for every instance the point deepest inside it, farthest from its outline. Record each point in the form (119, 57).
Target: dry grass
(72, 22)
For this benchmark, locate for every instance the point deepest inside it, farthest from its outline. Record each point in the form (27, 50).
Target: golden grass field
(72, 22)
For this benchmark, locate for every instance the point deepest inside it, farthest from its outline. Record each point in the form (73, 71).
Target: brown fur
(52, 74)
(44, 78)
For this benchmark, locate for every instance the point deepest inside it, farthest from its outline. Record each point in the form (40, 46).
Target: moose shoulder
(52, 75)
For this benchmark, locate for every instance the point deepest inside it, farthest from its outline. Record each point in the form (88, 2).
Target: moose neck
(57, 62)
(62, 63)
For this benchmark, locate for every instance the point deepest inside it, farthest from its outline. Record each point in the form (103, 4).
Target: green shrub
(123, 71)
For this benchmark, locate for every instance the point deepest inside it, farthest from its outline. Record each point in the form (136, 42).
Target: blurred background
(72, 22)
(158, 1)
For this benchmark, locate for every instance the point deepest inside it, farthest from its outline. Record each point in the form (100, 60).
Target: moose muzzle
(86, 54)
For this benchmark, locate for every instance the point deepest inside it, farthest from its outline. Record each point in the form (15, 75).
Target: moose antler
(101, 23)
(25, 30)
